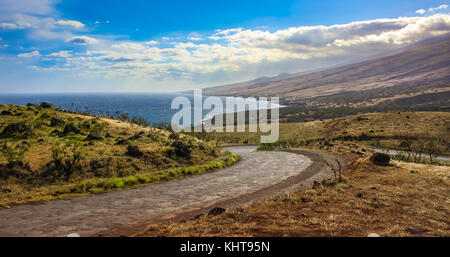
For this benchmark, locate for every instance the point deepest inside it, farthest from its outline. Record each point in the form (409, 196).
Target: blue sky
(117, 46)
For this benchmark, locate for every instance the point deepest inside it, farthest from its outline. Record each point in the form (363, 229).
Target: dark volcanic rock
(315, 184)
(55, 133)
(70, 128)
(380, 159)
(305, 200)
(45, 105)
(135, 137)
(5, 112)
(134, 151)
(14, 129)
(45, 116)
(121, 141)
(93, 136)
(180, 149)
(55, 121)
(216, 211)
(107, 135)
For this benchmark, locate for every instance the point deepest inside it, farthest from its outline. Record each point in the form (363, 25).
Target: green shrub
(96, 190)
(267, 147)
(14, 155)
(81, 187)
(84, 187)
(143, 179)
(139, 121)
(154, 179)
(115, 183)
(201, 169)
(130, 181)
(172, 173)
(102, 184)
(66, 157)
(155, 135)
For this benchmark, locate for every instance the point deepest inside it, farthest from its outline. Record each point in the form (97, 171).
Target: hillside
(355, 133)
(423, 64)
(48, 153)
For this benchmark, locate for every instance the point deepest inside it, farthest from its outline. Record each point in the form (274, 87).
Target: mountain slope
(426, 62)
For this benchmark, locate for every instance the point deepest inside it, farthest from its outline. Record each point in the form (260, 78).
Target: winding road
(94, 214)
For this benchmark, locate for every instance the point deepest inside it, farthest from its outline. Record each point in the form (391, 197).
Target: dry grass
(389, 124)
(390, 201)
(385, 129)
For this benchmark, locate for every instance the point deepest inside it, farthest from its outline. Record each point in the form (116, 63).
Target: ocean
(154, 107)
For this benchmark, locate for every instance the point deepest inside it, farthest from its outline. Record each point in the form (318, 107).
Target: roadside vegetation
(47, 153)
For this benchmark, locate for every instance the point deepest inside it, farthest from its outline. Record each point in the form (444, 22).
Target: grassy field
(48, 153)
(355, 133)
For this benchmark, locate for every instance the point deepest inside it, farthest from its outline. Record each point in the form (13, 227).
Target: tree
(125, 116)
(417, 148)
(139, 121)
(58, 154)
(432, 149)
(67, 156)
(407, 146)
(14, 155)
(336, 168)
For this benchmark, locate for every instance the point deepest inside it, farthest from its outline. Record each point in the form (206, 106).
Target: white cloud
(70, 23)
(62, 54)
(35, 53)
(414, 31)
(420, 11)
(311, 39)
(214, 37)
(151, 42)
(39, 17)
(240, 51)
(34, 7)
(82, 40)
(233, 52)
(227, 31)
(440, 7)
(195, 36)
(10, 26)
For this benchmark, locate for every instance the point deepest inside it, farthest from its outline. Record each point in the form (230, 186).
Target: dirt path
(95, 214)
